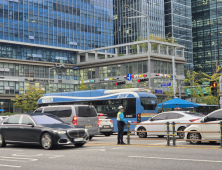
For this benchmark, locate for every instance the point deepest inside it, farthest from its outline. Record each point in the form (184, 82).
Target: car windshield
(194, 114)
(46, 119)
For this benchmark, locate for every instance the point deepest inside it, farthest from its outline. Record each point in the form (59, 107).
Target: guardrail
(174, 132)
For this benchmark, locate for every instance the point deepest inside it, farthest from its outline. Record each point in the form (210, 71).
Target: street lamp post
(2, 107)
(148, 37)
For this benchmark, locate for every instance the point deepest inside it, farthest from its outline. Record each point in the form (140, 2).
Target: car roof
(32, 114)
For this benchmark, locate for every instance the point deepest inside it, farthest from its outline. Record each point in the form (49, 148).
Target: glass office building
(74, 24)
(40, 39)
(178, 24)
(128, 30)
(207, 35)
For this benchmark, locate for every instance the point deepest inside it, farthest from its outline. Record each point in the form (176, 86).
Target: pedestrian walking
(120, 124)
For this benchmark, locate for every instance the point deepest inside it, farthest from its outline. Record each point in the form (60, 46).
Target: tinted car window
(215, 116)
(85, 111)
(64, 112)
(26, 120)
(13, 120)
(179, 115)
(173, 116)
(160, 117)
(148, 103)
(46, 119)
(51, 110)
(38, 110)
(194, 114)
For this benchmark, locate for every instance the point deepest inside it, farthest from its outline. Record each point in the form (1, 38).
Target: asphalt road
(103, 153)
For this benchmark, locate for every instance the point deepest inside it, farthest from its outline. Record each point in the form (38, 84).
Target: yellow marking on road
(156, 146)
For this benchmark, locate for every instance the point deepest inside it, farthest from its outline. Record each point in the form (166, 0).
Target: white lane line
(11, 166)
(176, 159)
(11, 150)
(26, 155)
(118, 148)
(55, 156)
(16, 158)
(11, 160)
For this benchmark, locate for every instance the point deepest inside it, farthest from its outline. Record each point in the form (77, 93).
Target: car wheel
(107, 134)
(195, 136)
(160, 136)
(79, 144)
(2, 141)
(90, 137)
(46, 141)
(141, 134)
(181, 134)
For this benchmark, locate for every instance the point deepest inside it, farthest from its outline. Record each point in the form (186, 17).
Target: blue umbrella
(176, 102)
(1, 110)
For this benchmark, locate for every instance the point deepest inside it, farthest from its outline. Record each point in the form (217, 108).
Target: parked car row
(162, 118)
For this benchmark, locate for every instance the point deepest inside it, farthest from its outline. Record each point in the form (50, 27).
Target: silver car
(78, 115)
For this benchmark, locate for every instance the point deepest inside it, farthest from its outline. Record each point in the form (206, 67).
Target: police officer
(120, 124)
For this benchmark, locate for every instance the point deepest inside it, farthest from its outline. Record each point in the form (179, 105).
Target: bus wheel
(141, 134)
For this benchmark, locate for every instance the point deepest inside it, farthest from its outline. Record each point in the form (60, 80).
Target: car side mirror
(30, 124)
(205, 119)
(151, 119)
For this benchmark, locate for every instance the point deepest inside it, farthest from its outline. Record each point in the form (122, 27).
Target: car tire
(2, 141)
(160, 136)
(181, 134)
(79, 144)
(46, 141)
(142, 134)
(107, 134)
(90, 137)
(196, 136)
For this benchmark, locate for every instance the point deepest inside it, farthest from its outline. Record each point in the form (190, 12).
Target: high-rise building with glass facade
(178, 24)
(128, 30)
(40, 41)
(74, 24)
(207, 35)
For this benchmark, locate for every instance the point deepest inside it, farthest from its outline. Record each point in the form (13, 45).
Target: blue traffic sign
(159, 91)
(165, 84)
(129, 77)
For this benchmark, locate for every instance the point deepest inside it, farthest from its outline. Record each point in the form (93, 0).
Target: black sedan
(44, 129)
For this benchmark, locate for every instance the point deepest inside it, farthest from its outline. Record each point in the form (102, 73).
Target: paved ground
(103, 153)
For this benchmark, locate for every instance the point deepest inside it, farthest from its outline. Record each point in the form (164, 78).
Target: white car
(171, 116)
(105, 124)
(213, 117)
(2, 118)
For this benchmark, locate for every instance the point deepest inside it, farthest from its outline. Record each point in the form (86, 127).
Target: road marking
(10, 150)
(164, 143)
(26, 155)
(55, 156)
(176, 159)
(118, 148)
(11, 166)
(16, 158)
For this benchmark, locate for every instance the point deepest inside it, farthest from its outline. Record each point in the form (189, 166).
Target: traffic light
(138, 117)
(120, 82)
(141, 80)
(213, 85)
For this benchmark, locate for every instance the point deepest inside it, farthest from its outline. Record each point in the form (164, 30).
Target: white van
(81, 115)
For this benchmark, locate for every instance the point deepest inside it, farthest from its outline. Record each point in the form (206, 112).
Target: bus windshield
(148, 103)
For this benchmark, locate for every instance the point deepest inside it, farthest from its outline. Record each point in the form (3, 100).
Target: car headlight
(59, 132)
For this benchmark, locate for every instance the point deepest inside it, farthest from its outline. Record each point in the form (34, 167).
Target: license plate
(77, 139)
(88, 126)
(106, 126)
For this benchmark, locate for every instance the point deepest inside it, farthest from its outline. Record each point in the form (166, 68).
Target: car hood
(61, 126)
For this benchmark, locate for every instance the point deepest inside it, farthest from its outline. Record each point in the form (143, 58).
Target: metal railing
(174, 132)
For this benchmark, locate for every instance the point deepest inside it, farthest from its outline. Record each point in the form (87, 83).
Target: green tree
(28, 101)
(128, 85)
(82, 85)
(169, 93)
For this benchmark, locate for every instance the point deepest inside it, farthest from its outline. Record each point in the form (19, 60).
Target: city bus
(137, 102)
